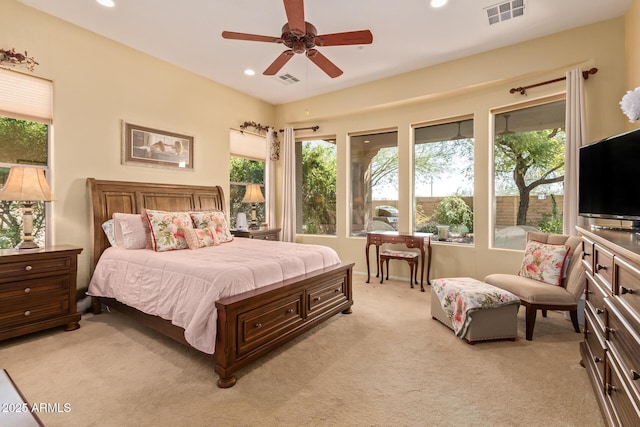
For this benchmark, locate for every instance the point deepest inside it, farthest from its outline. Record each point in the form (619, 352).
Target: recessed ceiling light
(107, 3)
(249, 72)
(438, 3)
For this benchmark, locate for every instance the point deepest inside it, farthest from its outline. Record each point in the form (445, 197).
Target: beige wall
(471, 86)
(97, 84)
(632, 41)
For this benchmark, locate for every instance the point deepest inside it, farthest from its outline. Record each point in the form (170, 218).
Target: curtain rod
(523, 89)
(313, 128)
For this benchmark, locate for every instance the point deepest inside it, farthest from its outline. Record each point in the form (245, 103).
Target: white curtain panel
(289, 187)
(575, 131)
(270, 182)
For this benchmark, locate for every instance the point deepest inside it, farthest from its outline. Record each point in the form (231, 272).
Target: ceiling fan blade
(279, 63)
(324, 63)
(250, 37)
(295, 16)
(342, 39)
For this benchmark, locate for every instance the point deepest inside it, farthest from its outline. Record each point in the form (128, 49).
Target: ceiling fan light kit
(300, 37)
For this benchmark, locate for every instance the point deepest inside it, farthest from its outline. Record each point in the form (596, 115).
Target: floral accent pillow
(544, 262)
(168, 229)
(201, 237)
(215, 219)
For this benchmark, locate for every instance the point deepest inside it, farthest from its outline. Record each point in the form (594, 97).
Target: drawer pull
(338, 290)
(609, 330)
(316, 299)
(27, 290)
(585, 254)
(624, 290)
(597, 359)
(28, 268)
(611, 388)
(587, 292)
(290, 311)
(635, 375)
(258, 325)
(599, 311)
(600, 267)
(27, 313)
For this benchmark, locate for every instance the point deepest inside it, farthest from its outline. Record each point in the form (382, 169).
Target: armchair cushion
(544, 262)
(532, 291)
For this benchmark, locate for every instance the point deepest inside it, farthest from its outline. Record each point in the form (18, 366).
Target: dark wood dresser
(611, 347)
(38, 290)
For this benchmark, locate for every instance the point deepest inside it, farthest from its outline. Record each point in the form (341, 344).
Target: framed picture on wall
(143, 146)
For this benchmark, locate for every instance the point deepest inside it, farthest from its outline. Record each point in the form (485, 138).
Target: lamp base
(26, 244)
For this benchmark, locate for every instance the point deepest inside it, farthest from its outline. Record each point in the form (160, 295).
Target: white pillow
(129, 231)
(107, 227)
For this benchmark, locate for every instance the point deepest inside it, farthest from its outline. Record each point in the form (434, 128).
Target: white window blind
(26, 97)
(248, 145)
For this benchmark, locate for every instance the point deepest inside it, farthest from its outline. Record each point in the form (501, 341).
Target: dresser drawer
(258, 326)
(34, 286)
(627, 284)
(324, 298)
(594, 296)
(624, 341)
(596, 345)
(603, 266)
(587, 254)
(28, 310)
(11, 271)
(621, 400)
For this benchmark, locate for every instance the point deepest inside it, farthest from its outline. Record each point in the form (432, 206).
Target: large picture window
(443, 180)
(316, 181)
(374, 182)
(529, 151)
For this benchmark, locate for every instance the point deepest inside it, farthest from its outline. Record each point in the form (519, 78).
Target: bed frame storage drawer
(324, 298)
(258, 326)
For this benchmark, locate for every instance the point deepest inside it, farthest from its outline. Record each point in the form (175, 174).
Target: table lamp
(254, 196)
(26, 185)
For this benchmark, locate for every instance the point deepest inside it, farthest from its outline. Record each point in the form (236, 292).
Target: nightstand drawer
(24, 313)
(34, 286)
(12, 271)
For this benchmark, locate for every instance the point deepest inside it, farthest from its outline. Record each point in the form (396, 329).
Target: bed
(248, 324)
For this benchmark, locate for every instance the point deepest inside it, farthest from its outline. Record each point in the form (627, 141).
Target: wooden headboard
(109, 197)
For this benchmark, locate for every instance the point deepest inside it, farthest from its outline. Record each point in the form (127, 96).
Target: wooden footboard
(254, 323)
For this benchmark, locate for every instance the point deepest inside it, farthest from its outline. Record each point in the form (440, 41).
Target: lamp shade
(26, 184)
(253, 194)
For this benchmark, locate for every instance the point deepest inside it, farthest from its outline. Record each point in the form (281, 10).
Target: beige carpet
(387, 363)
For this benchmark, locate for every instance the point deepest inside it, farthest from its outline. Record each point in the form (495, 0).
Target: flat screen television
(609, 180)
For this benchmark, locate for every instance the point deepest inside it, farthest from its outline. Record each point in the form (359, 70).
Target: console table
(410, 240)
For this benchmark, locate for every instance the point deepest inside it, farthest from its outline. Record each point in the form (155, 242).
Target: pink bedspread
(182, 286)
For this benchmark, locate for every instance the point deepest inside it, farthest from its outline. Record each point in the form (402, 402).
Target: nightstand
(266, 234)
(38, 289)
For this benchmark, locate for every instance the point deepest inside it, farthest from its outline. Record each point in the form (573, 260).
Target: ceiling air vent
(287, 79)
(505, 11)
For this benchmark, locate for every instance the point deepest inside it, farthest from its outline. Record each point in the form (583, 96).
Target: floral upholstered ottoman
(474, 310)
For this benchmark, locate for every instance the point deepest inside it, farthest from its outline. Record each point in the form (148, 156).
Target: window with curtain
(316, 181)
(443, 180)
(25, 120)
(374, 182)
(529, 153)
(247, 166)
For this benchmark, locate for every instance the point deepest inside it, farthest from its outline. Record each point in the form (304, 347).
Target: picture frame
(144, 146)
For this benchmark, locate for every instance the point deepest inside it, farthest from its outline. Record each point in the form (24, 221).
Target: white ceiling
(407, 35)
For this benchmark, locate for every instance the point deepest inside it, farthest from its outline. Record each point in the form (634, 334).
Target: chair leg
(387, 268)
(544, 312)
(531, 321)
(411, 273)
(574, 320)
(381, 270)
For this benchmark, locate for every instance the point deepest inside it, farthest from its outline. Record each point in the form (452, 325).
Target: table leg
(366, 251)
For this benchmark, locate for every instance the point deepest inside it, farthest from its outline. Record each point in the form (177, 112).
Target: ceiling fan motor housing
(299, 43)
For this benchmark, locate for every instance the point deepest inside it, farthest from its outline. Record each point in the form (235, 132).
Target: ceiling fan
(300, 36)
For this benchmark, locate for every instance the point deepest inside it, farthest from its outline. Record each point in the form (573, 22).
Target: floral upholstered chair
(551, 277)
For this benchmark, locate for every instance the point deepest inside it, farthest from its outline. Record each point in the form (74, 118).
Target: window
(316, 169)
(529, 150)
(25, 117)
(243, 172)
(374, 182)
(443, 180)
(247, 166)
